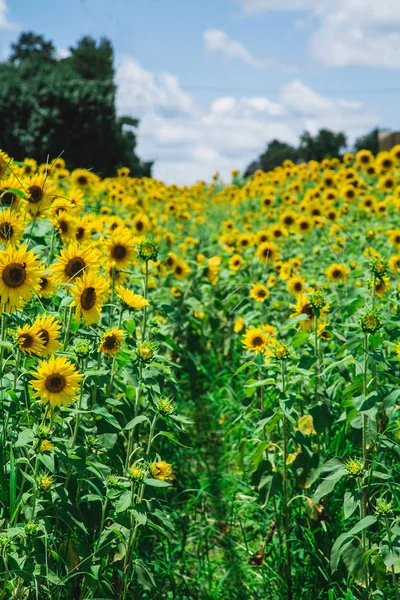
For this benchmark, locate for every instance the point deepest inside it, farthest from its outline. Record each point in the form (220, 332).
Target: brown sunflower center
(261, 293)
(14, 275)
(178, 270)
(298, 286)
(44, 282)
(82, 180)
(88, 298)
(257, 341)
(119, 252)
(139, 225)
(6, 231)
(307, 310)
(336, 273)
(35, 194)
(304, 225)
(55, 383)
(26, 340)
(63, 226)
(288, 220)
(75, 267)
(387, 164)
(110, 342)
(44, 336)
(80, 232)
(7, 199)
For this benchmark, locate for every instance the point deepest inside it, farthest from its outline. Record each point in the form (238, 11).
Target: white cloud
(217, 41)
(4, 22)
(189, 142)
(346, 32)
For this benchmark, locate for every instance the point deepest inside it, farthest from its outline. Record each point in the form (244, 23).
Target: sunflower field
(200, 385)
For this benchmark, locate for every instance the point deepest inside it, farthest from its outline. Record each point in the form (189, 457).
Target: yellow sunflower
(303, 307)
(49, 330)
(56, 381)
(121, 249)
(89, 294)
(20, 273)
(181, 269)
(11, 227)
(259, 292)
(162, 470)
(296, 285)
(74, 261)
(130, 299)
(267, 252)
(29, 340)
(235, 262)
(255, 340)
(65, 225)
(337, 272)
(37, 193)
(47, 286)
(111, 341)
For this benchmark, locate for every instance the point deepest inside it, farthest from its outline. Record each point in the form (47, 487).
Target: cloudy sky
(213, 80)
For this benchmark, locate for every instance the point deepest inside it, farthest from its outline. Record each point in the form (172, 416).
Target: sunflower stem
(68, 326)
(50, 256)
(394, 578)
(316, 358)
(286, 513)
(2, 339)
(146, 289)
(364, 502)
(17, 361)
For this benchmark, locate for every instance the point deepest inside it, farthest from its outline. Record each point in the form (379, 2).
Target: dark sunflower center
(44, 336)
(28, 170)
(139, 225)
(110, 341)
(277, 233)
(261, 293)
(35, 194)
(75, 267)
(304, 225)
(6, 231)
(7, 199)
(266, 253)
(307, 310)
(328, 181)
(55, 383)
(44, 282)
(63, 226)
(169, 262)
(14, 275)
(88, 298)
(82, 180)
(288, 220)
(257, 341)
(119, 252)
(336, 273)
(80, 232)
(387, 164)
(365, 159)
(178, 270)
(26, 341)
(298, 286)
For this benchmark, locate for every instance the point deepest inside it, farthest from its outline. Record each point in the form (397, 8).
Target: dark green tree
(325, 144)
(49, 107)
(275, 153)
(369, 141)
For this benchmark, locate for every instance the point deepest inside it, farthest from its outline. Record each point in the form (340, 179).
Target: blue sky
(213, 80)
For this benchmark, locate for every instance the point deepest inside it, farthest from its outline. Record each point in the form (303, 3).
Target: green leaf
(135, 421)
(300, 339)
(101, 411)
(171, 437)
(342, 542)
(139, 512)
(258, 454)
(124, 502)
(156, 482)
(350, 503)
(363, 524)
(25, 437)
(328, 484)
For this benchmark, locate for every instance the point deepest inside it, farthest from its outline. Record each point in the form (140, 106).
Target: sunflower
(121, 249)
(304, 224)
(5, 162)
(259, 292)
(303, 307)
(56, 381)
(267, 252)
(36, 193)
(162, 470)
(49, 330)
(296, 285)
(11, 227)
(235, 262)
(29, 340)
(74, 261)
(364, 158)
(181, 269)
(394, 263)
(384, 162)
(20, 273)
(47, 286)
(337, 272)
(255, 340)
(141, 224)
(239, 324)
(89, 294)
(111, 341)
(65, 225)
(382, 286)
(130, 299)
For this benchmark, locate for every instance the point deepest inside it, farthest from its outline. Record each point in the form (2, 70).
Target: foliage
(51, 106)
(199, 385)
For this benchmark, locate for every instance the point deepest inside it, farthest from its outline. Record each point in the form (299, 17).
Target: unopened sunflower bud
(82, 347)
(136, 473)
(370, 321)
(146, 351)
(281, 351)
(45, 482)
(166, 407)
(384, 508)
(379, 266)
(354, 467)
(318, 299)
(31, 528)
(148, 250)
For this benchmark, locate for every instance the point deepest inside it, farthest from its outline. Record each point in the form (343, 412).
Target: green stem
(394, 578)
(68, 326)
(146, 289)
(364, 501)
(17, 359)
(286, 513)
(316, 358)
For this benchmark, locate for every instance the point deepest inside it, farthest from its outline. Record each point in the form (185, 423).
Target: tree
(369, 141)
(276, 153)
(49, 107)
(326, 144)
